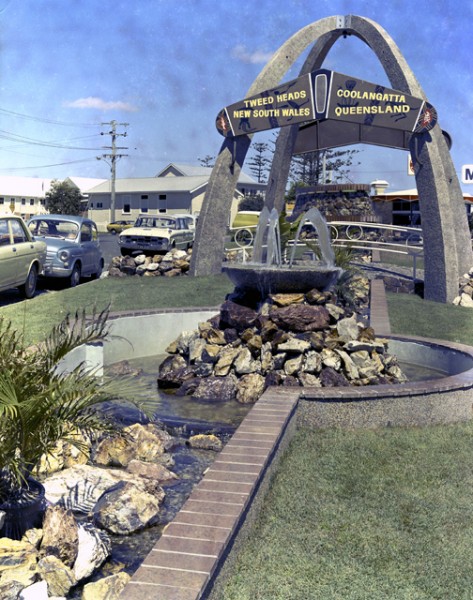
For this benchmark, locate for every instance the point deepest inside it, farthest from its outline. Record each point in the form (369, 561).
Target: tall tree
(259, 163)
(64, 199)
(322, 166)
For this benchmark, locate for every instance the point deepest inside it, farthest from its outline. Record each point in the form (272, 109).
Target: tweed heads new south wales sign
(322, 95)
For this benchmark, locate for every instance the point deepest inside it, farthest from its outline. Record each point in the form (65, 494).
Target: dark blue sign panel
(323, 95)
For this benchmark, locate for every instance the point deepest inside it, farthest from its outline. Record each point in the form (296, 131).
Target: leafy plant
(41, 405)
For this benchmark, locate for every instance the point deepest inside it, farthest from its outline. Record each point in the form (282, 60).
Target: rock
(149, 442)
(113, 452)
(294, 345)
(196, 348)
(18, 561)
(205, 442)
(357, 346)
(58, 576)
(250, 388)
(348, 329)
(80, 487)
(237, 316)
(225, 361)
(244, 362)
(317, 297)
(254, 344)
(127, 508)
(287, 299)
(466, 300)
(216, 389)
(123, 368)
(309, 379)
(348, 365)
(301, 317)
(214, 336)
(173, 371)
(331, 378)
(107, 588)
(60, 535)
(312, 362)
(153, 471)
(293, 365)
(336, 312)
(94, 548)
(10, 590)
(330, 359)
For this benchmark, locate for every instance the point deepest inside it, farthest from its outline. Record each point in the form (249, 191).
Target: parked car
(73, 249)
(119, 226)
(21, 257)
(158, 233)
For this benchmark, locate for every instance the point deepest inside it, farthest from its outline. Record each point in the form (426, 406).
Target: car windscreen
(151, 222)
(54, 229)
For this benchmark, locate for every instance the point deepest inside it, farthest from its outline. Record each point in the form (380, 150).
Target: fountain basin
(281, 279)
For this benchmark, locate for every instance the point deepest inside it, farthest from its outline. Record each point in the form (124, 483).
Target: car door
(91, 254)
(23, 251)
(7, 256)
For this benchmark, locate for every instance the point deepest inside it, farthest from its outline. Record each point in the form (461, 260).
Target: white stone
(37, 591)
(466, 300)
(93, 551)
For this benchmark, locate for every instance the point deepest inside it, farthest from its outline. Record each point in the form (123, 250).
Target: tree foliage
(259, 164)
(64, 199)
(322, 166)
(251, 202)
(207, 161)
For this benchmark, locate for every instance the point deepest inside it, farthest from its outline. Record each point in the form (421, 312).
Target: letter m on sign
(467, 174)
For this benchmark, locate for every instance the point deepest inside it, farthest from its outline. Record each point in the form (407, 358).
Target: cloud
(241, 53)
(92, 102)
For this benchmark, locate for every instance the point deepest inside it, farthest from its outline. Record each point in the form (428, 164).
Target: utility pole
(113, 156)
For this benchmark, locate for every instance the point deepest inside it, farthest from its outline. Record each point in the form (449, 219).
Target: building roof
(192, 171)
(153, 184)
(85, 183)
(34, 187)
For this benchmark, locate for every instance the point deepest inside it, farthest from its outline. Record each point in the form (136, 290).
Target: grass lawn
(364, 515)
(37, 316)
(412, 315)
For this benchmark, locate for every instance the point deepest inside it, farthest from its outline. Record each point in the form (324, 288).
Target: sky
(163, 69)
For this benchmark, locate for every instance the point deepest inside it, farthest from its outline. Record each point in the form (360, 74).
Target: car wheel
(29, 288)
(74, 278)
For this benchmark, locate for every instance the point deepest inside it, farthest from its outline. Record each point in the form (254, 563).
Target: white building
(176, 189)
(25, 196)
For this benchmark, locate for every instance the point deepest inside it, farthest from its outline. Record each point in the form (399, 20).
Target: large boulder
(216, 389)
(127, 508)
(236, 315)
(301, 317)
(94, 548)
(107, 588)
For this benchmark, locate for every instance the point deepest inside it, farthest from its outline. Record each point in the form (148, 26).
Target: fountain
(267, 272)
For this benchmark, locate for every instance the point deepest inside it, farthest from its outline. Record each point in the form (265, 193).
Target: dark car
(73, 249)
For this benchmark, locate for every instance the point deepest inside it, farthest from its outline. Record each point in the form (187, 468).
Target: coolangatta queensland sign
(322, 95)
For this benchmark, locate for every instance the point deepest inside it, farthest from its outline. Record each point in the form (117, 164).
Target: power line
(71, 162)
(42, 120)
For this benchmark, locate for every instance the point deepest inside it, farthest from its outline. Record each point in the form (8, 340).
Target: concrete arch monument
(447, 242)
